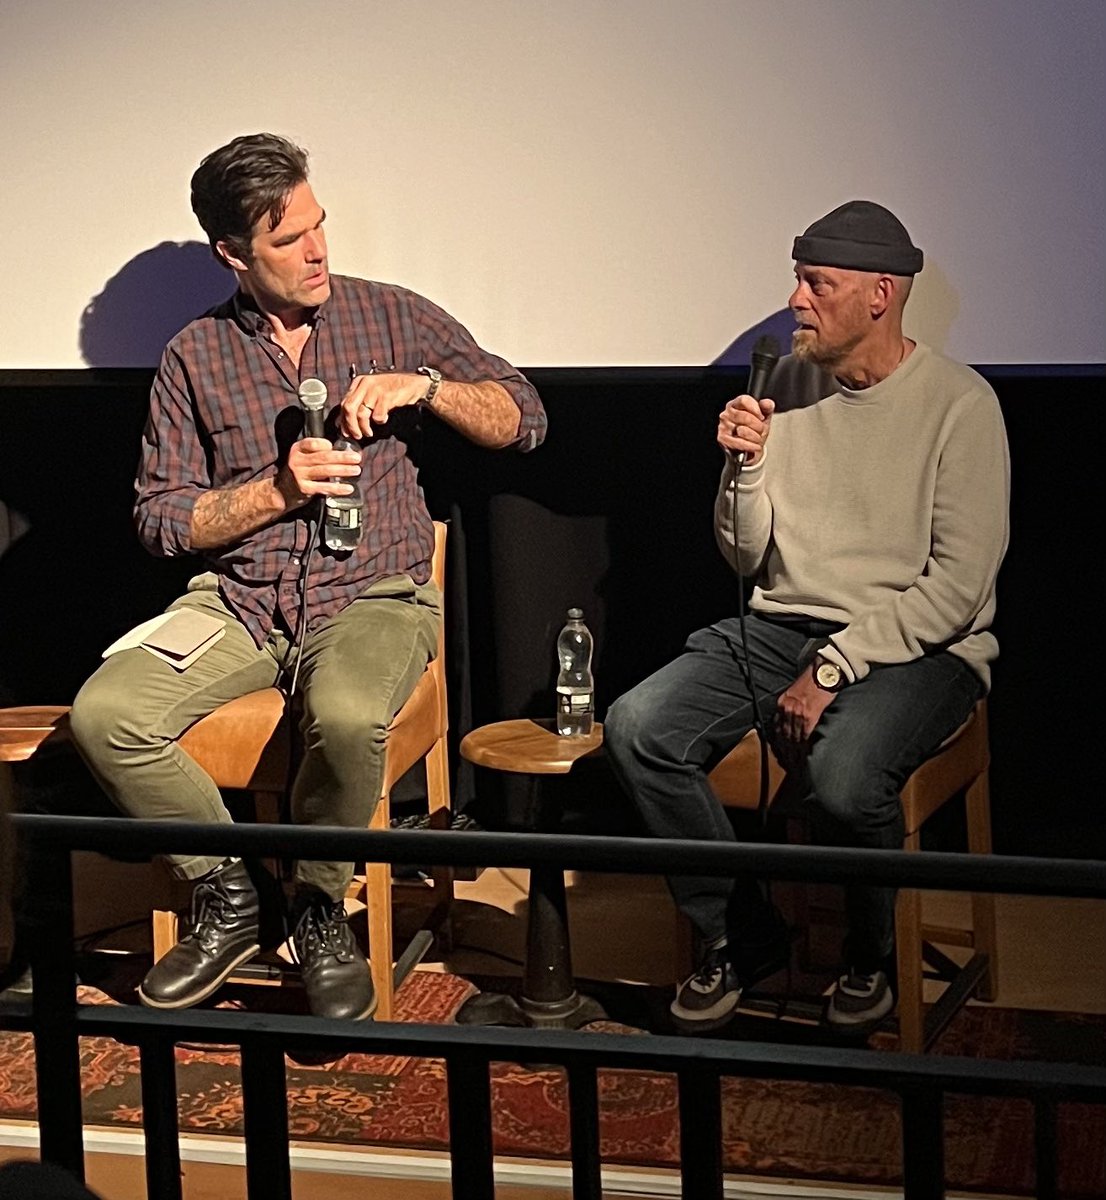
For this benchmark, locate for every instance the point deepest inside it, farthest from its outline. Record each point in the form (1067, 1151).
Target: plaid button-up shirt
(224, 409)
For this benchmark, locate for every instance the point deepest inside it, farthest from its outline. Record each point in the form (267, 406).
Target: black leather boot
(223, 935)
(335, 972)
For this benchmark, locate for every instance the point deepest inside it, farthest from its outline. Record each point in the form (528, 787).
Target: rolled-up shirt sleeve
(173, 469)
(446, 344)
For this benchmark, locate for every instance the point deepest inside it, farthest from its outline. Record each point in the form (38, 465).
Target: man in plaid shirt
(226, 473)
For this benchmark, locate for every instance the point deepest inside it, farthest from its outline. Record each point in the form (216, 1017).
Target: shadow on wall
(779, 325)
(932, 309)
(150, 300)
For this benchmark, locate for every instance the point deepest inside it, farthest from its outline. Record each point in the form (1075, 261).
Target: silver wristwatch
(435, 377)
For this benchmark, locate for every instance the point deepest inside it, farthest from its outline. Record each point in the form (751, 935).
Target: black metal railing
(920, 1082)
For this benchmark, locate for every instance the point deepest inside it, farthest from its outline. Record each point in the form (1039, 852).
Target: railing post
(700, 1133)
(583, 1115)
(1044, 1139)
(265, 1120)
(470, 1125)
(54, 1016)
(158, 1064)
(923, 1144)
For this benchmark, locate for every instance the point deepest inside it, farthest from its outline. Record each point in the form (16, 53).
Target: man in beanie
(868, 501)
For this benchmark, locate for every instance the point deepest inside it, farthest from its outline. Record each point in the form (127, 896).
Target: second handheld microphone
(765, 354)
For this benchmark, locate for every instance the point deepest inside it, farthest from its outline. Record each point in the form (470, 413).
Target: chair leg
(909, 965)
(977, 804)
(437, 800)
(166, 933)
(437, 776)
(378, 908)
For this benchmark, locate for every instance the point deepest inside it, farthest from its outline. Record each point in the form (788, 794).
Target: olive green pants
(356, 671)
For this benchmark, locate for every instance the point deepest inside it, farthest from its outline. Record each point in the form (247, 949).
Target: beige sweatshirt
(885, 509)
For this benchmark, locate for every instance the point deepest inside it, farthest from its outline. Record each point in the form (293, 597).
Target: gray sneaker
(707, 1000)
(858, 1000)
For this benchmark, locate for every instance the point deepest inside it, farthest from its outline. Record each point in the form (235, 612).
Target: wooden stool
(960, 765)
(23, 731)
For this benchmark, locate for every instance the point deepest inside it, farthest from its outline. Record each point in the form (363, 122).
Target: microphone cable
(300, 635)
(765, 354)
(758, 719)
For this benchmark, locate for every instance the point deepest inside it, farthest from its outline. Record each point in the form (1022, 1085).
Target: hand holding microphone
(314, 467)
(319, 470)
(342, 507)
(744, 422)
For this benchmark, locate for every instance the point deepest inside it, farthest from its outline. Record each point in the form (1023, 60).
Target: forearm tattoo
(224, 515)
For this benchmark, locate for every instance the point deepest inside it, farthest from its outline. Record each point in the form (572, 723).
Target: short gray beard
(826, 357)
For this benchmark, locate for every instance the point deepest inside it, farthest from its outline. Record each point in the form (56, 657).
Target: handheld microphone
(763, 359)
(312, 396)
(341, 514)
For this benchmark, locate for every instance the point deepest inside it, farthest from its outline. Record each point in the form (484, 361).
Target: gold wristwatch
(828, 675)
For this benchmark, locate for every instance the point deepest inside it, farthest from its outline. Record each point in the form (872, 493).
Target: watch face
(828, 675)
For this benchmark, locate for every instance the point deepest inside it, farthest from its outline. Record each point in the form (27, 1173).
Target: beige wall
(591, 182)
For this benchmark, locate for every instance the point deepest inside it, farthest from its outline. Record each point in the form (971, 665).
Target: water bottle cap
(575, 614)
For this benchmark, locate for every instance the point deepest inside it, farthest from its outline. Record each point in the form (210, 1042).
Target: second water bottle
(575, 686)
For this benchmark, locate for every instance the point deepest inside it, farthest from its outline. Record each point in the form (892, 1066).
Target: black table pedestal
(549, 997)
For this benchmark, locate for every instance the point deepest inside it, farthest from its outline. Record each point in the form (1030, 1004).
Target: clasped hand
(798, 711)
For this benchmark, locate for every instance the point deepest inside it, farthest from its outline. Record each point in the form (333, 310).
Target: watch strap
(435, 378)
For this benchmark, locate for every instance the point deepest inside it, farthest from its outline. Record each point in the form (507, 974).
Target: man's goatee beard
(803, 347)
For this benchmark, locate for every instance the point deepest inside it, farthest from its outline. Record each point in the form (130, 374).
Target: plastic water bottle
(342, 514)
(575, 686)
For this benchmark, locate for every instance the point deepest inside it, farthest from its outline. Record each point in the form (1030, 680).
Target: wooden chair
(244, 745)
(961, 765)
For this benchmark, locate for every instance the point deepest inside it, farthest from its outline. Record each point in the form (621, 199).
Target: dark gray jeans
(357, 670)
(665, 735)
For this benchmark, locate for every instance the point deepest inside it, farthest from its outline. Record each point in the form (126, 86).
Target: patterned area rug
(792, 1130)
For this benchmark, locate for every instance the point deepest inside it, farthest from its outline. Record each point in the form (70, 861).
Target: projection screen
(592, 182)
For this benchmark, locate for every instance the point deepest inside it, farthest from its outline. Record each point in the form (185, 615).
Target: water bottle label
(344, 518)
(574, 701)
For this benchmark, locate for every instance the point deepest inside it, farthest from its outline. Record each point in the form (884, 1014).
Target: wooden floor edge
(433, 1166)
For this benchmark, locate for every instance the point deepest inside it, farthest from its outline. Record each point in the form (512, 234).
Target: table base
(497, 1008)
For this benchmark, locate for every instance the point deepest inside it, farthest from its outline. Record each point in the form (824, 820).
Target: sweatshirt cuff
(831, 654)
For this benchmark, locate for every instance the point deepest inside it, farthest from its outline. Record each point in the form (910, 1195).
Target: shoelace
(210, 908)
(323, 926)
(709, 972)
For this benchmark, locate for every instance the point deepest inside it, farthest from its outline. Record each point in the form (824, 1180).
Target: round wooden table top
(528, 747)
(23, 730)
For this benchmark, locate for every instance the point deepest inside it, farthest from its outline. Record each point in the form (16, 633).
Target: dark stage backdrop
(612, 514)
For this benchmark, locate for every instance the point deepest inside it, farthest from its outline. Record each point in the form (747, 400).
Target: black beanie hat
(859, 236)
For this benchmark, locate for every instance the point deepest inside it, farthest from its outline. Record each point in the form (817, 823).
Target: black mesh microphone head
(766, 351)
(763, 359)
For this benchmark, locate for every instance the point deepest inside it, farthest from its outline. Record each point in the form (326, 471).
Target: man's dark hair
(236, 185)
